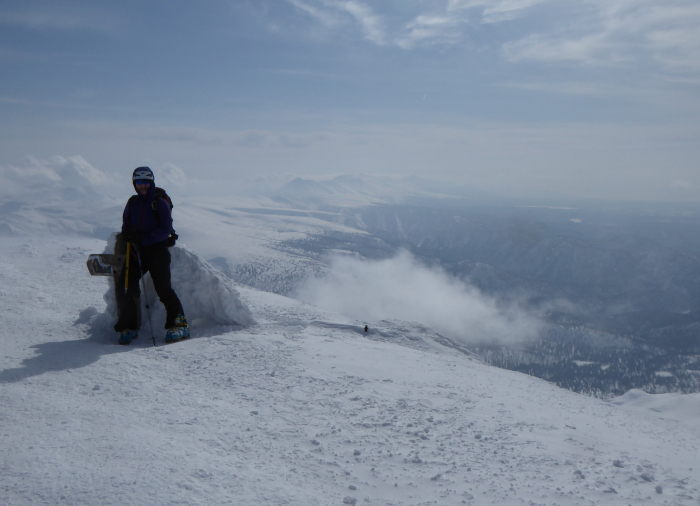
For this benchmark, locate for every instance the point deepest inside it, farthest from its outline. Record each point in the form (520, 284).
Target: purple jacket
(139, 218)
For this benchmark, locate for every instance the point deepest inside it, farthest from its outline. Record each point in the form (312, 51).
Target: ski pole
(143, 284)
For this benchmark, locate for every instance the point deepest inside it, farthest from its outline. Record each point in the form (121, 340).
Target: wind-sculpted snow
(210, 300)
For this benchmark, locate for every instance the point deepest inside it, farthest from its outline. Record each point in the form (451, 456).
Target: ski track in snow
(302, 408)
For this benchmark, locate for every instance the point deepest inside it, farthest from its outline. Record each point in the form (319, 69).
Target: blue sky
(593, 98)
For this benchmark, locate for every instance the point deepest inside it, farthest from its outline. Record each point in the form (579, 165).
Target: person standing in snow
(146, 225)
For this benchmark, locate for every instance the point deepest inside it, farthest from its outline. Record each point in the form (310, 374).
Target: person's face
(142, 185)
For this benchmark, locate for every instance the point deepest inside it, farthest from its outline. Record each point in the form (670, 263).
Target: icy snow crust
(301, 408)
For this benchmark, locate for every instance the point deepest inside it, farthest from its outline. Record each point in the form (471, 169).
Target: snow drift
(684, 408)
(209, 297)
(210, 300)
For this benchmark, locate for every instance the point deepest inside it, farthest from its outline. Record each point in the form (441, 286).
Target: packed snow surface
(297, 406)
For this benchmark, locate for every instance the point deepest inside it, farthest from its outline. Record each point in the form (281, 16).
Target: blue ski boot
(127, 336)
(179, 331)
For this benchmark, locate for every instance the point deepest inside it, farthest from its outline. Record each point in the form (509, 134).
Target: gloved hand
(135, 238)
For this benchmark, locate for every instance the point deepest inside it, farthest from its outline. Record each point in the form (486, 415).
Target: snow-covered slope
(301, 408)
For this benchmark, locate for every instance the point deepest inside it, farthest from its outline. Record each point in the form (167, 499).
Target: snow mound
(207, 295)
(681, 407)
(211, 302)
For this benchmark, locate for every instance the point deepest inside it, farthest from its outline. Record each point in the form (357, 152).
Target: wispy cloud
(569, 88)
(593, 32)
(335, 13)
(620, 32)
(431, 29)
(326, 17)
(370, 23)
(448, 23)
(490, 11)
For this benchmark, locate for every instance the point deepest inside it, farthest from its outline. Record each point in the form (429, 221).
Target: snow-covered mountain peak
(352, 191)
(304, 407)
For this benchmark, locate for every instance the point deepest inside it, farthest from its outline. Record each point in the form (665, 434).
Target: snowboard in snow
(111, 264)
(105, 264)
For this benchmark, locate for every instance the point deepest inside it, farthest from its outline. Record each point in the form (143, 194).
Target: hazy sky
(539, 97)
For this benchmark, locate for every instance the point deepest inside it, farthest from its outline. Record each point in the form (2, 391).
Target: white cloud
(431, 30)
(402, 288)
(619, 31)
(171, 174)
(335, 13)
(592, 48)
(36, 172)
(594, 32)
(75, 170)
(448, 23)
(370, 23)
(570, 88)
(679, 48)
(323, 16)
(56, 173)
(507, 10)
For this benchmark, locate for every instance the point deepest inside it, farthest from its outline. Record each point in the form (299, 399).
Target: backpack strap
(154, 206)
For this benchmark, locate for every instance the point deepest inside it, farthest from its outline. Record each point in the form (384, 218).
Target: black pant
(156, 260)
